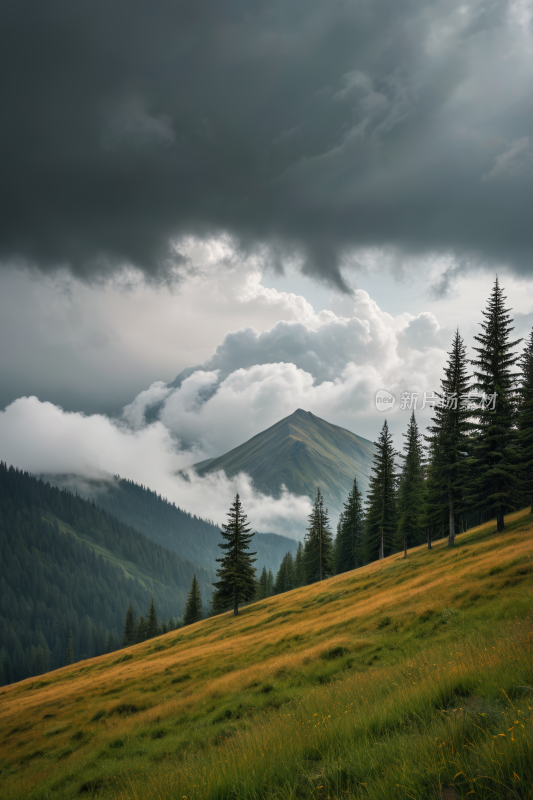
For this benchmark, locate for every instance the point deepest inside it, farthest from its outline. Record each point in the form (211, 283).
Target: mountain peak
(301, 451)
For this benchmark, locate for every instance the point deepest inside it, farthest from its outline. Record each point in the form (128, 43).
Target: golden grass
(353, 631)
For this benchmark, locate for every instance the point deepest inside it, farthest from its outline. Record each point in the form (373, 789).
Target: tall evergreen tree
(69, 652)
(285, 576)
(337, 545)
(351, 531)
(270, 583)
(525, 424)
(382, 517)
(494, 465)
(236, 573)
(449, 441)
(141, 632)
(152, 626)
(262, 585)
(318, 550)
(129, 628)
(411, 490)
(299, 566)
(193, 608)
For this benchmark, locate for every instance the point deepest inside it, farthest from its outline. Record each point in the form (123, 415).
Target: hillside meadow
(403, 679)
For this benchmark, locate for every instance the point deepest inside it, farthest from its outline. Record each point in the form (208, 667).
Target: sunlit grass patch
(348, 689)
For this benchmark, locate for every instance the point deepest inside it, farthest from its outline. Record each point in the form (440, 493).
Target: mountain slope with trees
(68, 566)
(192, 537)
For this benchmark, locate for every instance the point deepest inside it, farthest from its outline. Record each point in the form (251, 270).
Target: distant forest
(170, 526)
(68, 566)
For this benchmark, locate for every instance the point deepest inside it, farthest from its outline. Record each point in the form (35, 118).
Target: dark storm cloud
(313, 126)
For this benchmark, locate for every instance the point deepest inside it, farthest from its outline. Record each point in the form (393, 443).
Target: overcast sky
(300, 200)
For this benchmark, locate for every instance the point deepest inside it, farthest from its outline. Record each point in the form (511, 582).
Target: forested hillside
(67, 565)
(163, 522)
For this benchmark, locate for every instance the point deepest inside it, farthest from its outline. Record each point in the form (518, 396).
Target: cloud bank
(306, 126)
(330, 364)
(45, 440)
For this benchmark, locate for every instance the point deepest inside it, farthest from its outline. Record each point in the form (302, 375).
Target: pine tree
(318, 550)
(262, 585)
(236, 574)
(411, 490)
(285, 576)
(337, 544)
(382, 518)
(193, 608)
(270, 584)
(299, 566)
(525, 424)
(69, 652)
(129, 628)
(141, 633)
(152, 626)
(449, 441)
(350, 533)
(494, 465)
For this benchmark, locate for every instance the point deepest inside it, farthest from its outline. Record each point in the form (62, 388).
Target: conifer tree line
(144, 628)
(475, 462)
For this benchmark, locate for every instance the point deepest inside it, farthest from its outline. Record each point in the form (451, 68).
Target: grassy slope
(395, 680)
(301, 451)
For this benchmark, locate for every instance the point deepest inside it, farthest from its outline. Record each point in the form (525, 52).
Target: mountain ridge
(188, 535)
(301, 451)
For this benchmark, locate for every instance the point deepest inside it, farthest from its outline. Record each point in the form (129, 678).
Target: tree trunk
(429, 539)
(451, 532)
(381, 553)
(405, 546)
(499, 520)
(236, 606)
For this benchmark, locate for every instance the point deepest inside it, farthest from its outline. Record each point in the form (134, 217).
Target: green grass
(400, 680)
